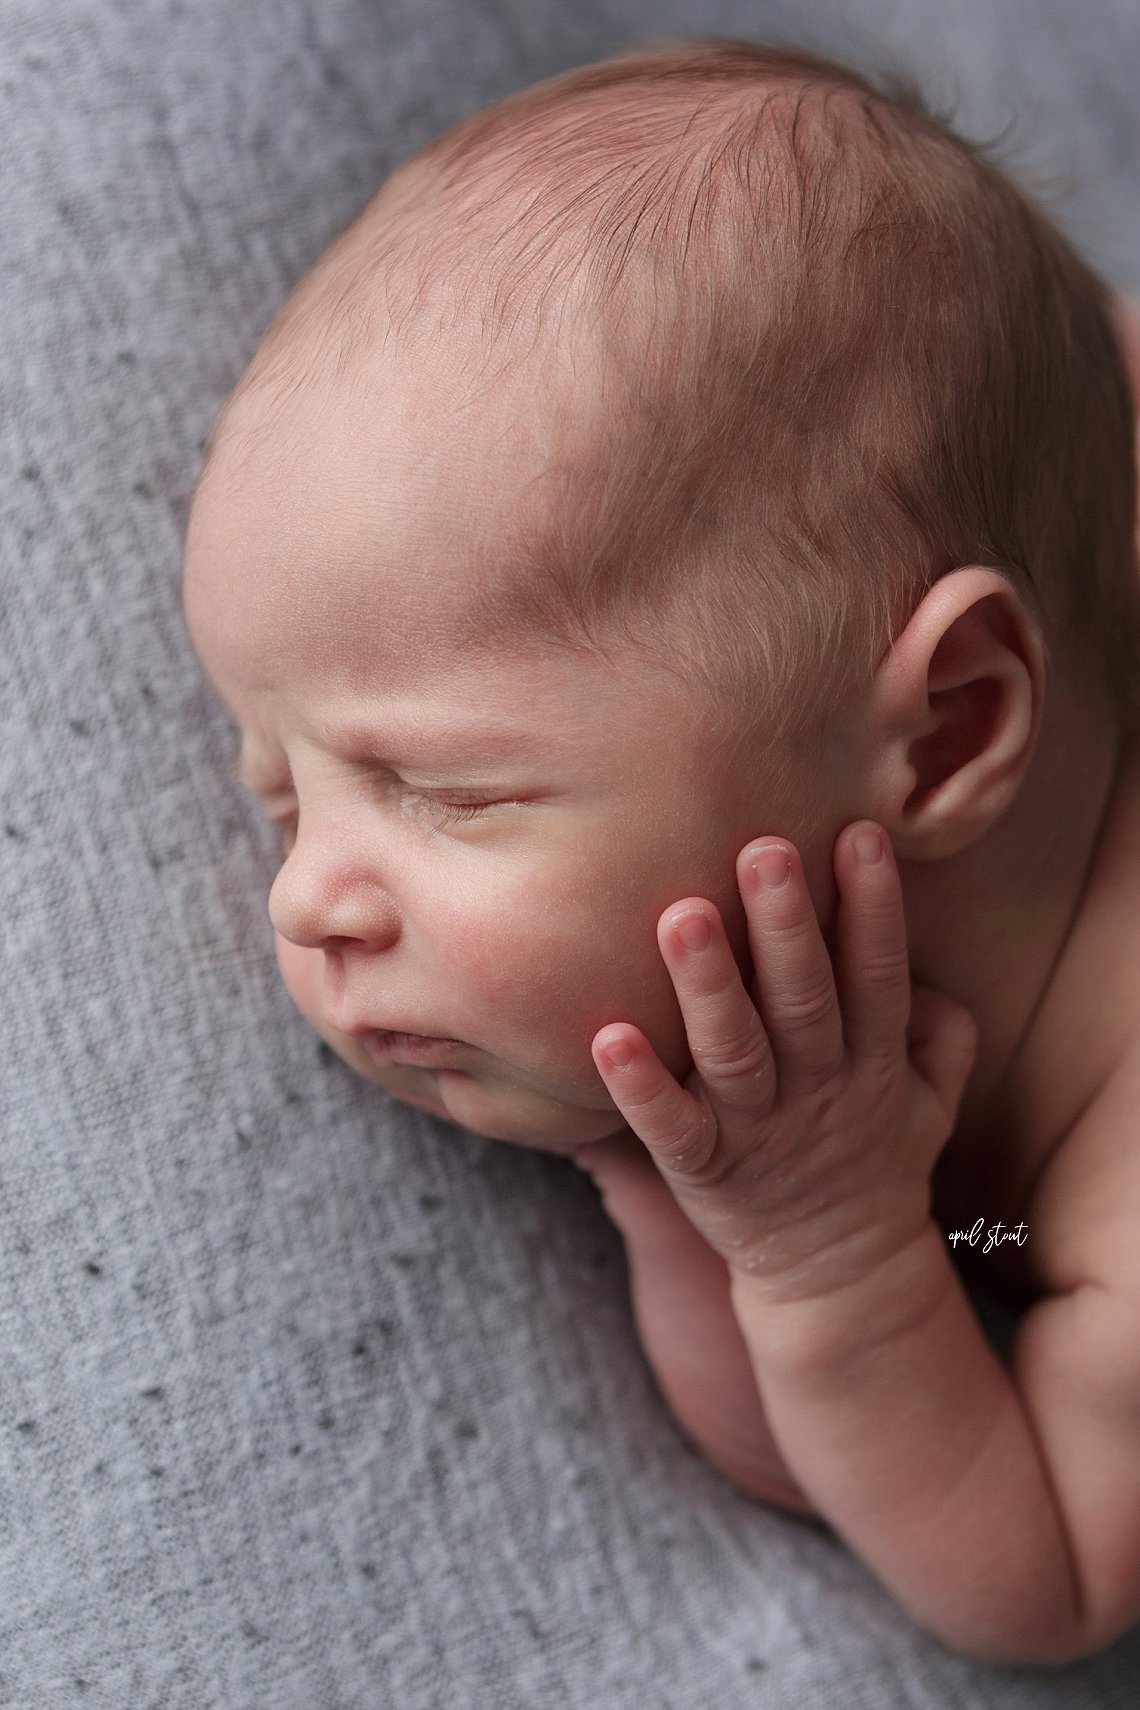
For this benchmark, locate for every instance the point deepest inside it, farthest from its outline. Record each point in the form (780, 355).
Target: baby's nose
(316, 902)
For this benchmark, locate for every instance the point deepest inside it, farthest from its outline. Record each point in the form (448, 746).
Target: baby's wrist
(821, 1317)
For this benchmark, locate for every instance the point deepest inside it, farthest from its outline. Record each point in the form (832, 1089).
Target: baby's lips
(414, 1050)
(360, 1030)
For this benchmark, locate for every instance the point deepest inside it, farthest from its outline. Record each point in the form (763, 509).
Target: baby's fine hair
(844, 355)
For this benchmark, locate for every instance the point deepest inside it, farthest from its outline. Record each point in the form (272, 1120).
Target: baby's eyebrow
(434, 741)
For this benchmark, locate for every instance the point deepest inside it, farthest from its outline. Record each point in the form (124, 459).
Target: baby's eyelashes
(445, 810)
(452, 813)
(440, 810)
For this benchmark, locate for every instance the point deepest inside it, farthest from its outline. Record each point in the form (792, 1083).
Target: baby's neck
(1016, 897)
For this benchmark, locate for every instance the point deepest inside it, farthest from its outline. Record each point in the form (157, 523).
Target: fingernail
(693, 930)
(774, 867)
(868, 846)
(617, 1053)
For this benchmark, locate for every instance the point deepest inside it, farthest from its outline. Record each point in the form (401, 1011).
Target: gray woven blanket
(306, 1401)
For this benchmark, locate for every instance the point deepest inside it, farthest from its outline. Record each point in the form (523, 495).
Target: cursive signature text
(995, 1234)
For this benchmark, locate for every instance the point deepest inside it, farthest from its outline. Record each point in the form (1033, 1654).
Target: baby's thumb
(942, 1042)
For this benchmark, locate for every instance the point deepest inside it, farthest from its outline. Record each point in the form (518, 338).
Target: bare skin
(1031, 1079)
(525, 934)
(1040, 1146)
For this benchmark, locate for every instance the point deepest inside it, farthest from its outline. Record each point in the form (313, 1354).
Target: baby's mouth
(418, 1050)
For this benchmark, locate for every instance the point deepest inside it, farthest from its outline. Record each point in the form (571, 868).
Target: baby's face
(479, 841)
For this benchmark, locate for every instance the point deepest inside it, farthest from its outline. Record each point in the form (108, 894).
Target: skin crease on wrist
(330, 559)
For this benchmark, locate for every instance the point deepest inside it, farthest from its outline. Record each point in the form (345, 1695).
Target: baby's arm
(680, 1290)
(1002, 1511)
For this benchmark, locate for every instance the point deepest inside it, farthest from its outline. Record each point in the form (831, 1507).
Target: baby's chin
(488, 1106)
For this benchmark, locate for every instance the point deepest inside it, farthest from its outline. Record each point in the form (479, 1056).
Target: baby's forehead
(506, 445)
(324, 519)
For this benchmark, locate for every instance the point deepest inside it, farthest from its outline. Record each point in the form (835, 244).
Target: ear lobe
(959, 702)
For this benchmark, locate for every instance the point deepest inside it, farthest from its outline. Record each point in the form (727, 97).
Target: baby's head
(595, 505)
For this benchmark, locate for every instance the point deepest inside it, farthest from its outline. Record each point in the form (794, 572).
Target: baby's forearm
(1002, 1517)
(693, 1343)
(680, 1295)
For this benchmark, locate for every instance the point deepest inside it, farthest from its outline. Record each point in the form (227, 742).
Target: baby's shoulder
(1084, 1211)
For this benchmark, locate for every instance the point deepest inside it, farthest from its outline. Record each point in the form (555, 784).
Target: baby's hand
(801, 1147)
(802, 1142)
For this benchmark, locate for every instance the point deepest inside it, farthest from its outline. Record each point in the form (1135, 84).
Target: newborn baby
(672, 565)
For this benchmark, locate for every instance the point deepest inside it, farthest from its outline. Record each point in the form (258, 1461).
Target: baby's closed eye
(442, 810)
(451, 813)
(445, 808)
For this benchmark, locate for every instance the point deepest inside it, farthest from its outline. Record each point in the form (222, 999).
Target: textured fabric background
(306, 1402)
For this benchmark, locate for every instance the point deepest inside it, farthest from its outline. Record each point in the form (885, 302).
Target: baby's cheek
(562, 971)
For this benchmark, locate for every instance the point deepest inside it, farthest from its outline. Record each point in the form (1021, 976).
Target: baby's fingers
(873, 970)
(678, 1130)
(942, 1042)
(883, 1016)
(731, 1054)
(793, 977)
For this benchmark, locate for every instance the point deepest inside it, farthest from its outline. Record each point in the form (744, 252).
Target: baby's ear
(956, 708)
